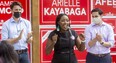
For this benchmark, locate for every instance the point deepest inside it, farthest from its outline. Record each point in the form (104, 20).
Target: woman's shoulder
(54, 31)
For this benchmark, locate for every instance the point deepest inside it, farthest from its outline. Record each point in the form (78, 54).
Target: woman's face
(64, 23)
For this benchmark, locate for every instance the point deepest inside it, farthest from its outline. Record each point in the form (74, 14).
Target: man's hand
(99, 37)
(16, 39)
(20, 36)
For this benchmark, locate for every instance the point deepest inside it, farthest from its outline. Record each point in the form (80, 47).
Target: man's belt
(99, 55)
(21, 51)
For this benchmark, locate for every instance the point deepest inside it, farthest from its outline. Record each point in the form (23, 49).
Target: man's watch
(101, 43)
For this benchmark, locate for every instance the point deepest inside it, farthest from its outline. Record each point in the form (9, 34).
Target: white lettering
(5, 3)
(60, 3)
(68, 11)
(54, 3)
(72, 12)
(83, 12)
(77, 11)
(97, 2)
(61, 11)
(109, 2)
(52, 11)
(5, 10)
(77, 3)
(114, 2)
(46, 11)
(105, 2)
(66, 3)
(57, 10)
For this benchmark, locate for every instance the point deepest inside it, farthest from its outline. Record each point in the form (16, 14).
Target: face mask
(96, 20)
(17, 14)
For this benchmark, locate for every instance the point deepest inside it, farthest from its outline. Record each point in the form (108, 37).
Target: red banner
(108, 7)
(5, 12)
(78, 11)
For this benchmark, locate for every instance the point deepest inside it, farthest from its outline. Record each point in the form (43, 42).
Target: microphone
(72, 36)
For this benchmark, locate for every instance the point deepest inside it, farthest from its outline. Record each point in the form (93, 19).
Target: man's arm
(29, 38)
(110, 38)
(14, 40)
(5, 35)
(92, 42)
(89, 42)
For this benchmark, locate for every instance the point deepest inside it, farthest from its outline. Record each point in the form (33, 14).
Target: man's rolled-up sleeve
(111, 39)
(4, 32)
(87, 37)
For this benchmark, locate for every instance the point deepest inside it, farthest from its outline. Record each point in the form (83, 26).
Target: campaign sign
(108, 7)
(5, 12)
(77, 10)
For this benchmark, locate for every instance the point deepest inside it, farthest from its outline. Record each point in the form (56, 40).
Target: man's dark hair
(97, 10)
(15, 3)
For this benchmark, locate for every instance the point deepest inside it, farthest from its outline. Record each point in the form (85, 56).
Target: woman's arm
(79, 44)
(49, 46)
(50, 43)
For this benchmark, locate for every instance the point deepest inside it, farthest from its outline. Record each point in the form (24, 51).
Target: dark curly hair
(7, 53)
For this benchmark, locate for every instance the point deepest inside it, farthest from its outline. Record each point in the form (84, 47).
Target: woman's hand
(82, 36)
(54, 38)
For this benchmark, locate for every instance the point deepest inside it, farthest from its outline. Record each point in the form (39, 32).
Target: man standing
(99, 39)
(17, 31)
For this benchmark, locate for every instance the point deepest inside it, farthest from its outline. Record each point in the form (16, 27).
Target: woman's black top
(64, 47)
